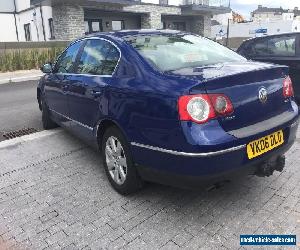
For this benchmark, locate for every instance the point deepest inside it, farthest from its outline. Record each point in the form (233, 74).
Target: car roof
(275, 35)
(130, 33)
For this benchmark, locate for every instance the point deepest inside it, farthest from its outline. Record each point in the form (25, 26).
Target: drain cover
(19, 133)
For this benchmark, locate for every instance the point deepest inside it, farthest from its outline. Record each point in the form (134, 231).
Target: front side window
(177, 51)
(66, 62)
(51, 28)
(99, 57)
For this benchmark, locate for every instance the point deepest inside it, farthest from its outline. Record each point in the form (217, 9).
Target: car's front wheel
(118, 163)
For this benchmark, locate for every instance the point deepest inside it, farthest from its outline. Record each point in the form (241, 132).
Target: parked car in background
(170, 107)
(281, 49)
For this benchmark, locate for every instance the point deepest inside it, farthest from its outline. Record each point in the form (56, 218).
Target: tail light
(288, 90)
(204, 107)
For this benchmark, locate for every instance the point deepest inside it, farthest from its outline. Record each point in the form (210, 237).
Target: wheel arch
(103, 125)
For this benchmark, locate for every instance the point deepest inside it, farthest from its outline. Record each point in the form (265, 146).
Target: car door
(96, 65)
(56, 84)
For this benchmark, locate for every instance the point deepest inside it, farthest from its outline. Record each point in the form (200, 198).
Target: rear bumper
(180, 168)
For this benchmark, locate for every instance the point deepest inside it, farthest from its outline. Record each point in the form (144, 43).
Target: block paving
(54, 195)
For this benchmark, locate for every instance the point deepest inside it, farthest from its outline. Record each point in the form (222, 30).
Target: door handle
(65, 87)
(96, 93)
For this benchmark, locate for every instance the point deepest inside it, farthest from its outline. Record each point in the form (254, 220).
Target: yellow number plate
(265, 144)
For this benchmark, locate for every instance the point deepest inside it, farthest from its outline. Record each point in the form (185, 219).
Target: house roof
(262, 9)
(142, 32)
(84, 2)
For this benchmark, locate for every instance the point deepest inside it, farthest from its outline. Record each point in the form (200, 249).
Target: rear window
(176, 51)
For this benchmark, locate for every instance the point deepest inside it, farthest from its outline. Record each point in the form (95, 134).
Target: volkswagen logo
(263, 95)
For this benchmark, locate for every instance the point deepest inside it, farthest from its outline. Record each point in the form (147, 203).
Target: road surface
(18, 107)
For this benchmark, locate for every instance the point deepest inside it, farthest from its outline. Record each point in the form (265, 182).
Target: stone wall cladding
(197, 25)
(151, 14)
(68, 22)
(69, 19)
(201, 25)
(206, 26)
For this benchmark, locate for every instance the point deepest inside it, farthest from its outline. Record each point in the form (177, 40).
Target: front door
(86, 96)
(57, 83)
(179, 26)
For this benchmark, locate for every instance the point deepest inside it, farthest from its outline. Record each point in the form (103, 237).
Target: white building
(222, 19)
(265, 21)
(44, 20)
(265, 14)
(21, 22)
(254, 29)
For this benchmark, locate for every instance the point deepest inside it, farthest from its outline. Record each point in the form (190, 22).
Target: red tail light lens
(204, 107)
(222, 104)
(288, 90)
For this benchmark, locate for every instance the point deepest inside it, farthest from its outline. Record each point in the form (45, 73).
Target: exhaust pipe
(268, 168)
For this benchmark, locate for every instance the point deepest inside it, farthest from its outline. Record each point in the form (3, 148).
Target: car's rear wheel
(118, 163)
(46, 119)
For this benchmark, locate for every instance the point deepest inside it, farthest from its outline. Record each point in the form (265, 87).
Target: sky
(244, 7)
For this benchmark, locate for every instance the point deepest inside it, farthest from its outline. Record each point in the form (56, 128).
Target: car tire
(46, 119)
(118, 163)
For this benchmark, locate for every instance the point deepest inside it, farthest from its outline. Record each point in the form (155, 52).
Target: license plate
(265, 144)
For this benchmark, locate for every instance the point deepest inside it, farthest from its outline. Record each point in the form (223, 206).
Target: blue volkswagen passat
(170, 107)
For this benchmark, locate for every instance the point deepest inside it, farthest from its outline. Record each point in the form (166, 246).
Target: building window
(51, 28)
(118, 25)
(93, 26)
(27, 32)
(163, 2)
(179, 26)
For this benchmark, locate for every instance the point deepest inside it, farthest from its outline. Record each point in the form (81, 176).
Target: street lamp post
(228, 23)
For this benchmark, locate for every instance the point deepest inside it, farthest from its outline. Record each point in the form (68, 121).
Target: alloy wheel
(116, 160)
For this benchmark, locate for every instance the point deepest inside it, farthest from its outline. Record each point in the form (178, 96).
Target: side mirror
(47, 68)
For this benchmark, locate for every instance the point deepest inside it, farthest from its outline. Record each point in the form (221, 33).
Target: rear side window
(282, 46)
(261, 47)
(66, 62)
(99, 57)
(275, 46)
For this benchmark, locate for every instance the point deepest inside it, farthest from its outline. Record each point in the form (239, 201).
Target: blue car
(170, 107)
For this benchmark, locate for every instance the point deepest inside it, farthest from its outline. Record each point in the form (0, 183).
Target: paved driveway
(54, 194)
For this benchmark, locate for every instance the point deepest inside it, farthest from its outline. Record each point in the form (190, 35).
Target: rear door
(95, 69)
(57, 83)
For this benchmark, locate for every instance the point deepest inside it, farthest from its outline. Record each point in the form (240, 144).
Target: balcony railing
(214, 3)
